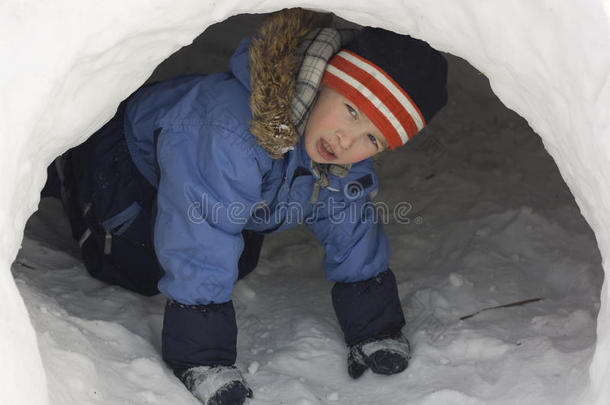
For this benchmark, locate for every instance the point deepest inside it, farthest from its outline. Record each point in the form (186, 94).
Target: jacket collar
(283, 55)
(273, 67)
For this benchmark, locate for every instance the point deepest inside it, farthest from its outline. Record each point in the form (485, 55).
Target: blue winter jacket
(190, 138)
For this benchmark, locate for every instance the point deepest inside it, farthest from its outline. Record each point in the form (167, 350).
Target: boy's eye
(374, 140)
(352, 112)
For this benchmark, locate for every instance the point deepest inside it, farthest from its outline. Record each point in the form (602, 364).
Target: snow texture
(494, 214)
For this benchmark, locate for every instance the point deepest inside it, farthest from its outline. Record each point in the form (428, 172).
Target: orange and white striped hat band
(376, 94)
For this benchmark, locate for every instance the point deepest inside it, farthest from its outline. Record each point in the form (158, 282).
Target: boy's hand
(387, 356)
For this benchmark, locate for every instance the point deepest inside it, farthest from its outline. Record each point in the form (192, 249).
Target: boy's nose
(346, 139)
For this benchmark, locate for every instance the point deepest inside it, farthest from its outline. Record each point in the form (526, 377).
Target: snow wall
(67, 64)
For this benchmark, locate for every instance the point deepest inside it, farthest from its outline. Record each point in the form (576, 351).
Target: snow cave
(498, 213)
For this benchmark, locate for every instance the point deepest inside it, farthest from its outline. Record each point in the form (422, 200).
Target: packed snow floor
(485, 220)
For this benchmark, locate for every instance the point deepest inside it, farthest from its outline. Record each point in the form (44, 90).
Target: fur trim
(273, 67)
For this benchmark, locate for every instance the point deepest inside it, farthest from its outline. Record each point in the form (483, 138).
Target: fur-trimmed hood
(273, 67)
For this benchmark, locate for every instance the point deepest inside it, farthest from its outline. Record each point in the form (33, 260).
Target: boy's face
(338, 132)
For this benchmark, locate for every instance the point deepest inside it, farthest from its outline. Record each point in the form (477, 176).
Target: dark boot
(217, 385)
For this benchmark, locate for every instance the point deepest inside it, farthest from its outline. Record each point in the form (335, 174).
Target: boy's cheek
(310, 144)
(308, 148)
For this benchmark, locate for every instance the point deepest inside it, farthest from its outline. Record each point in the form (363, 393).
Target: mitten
(216, 385)
(389, 355)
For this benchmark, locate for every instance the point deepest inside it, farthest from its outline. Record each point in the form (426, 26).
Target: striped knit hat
(399, 82)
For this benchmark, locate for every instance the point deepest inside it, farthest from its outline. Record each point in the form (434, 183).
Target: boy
(176, 191)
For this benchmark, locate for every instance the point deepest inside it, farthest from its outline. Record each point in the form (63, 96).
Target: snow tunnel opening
(491, 218)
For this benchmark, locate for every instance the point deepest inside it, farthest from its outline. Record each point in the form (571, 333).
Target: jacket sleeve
(365, 295)
(209, 182)
(351, 232)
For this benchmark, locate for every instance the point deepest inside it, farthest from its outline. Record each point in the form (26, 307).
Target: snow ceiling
(67, 64)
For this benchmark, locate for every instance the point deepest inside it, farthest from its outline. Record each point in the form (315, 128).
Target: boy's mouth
(326, 150)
